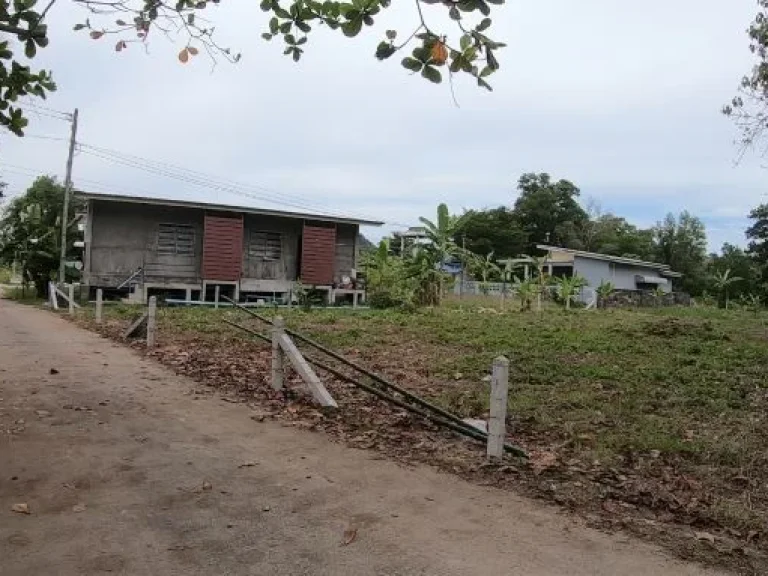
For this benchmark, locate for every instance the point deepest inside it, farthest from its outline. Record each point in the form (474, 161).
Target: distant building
(623, 273)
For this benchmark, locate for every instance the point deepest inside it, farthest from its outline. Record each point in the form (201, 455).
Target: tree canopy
(29, 231)
(465, 48)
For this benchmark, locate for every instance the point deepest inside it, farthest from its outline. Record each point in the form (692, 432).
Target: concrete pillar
(99, 304)
(497, 423)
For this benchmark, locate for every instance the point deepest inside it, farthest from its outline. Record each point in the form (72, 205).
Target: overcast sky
(621, 98)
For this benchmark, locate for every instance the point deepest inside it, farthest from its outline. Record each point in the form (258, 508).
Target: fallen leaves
(77, 508)
(705, 537)
(350, 535)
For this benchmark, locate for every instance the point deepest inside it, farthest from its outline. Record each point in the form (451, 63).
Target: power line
(203, 180)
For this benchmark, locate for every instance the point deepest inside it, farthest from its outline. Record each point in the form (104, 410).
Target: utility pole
(67, 192)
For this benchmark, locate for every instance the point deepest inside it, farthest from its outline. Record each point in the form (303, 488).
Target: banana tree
(484, 267)
(568, 288)
(525, 289)
(723, 281)
(604, 292)
(441, 247)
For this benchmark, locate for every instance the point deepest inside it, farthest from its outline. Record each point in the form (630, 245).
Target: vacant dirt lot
(123, 470)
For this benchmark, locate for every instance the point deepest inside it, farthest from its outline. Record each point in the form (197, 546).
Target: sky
(622, 99)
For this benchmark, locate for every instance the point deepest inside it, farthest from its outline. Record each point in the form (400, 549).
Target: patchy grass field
(657, 415)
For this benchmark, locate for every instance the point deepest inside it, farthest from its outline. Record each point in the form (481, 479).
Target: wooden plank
(278, 357)
(306, 372)
(497, 422)
(135, 325)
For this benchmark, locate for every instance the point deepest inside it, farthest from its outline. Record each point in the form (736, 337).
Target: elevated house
(185, 249)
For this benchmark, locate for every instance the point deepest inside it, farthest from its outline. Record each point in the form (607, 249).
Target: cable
(203, 179)
(199, 179)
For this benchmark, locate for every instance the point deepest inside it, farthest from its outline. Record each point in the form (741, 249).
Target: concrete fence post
(216, 294)
(71, 296)
(99, 304)
(278, 357)
(497, 422)
(151, 321)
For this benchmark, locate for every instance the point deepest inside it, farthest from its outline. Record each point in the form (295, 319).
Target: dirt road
(124, 472)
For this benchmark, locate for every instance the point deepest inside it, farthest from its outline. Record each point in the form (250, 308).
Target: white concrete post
(216, 292)
(151, 321)
(497, 423)
(278, 358)
(71, 296)
(99, 304)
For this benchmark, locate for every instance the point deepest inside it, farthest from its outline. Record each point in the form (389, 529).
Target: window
(267, 246)
(176, 239)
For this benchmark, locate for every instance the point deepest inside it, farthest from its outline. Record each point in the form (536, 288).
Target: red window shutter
(318, 253)
(222, 248)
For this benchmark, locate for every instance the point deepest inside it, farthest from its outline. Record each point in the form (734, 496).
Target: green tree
(723, 282)
(441, 248)
(29, 231)
(749, 108)
(681, 243)
(604, 291)
(568, 288)
(611, 234)
(466, 48)
(548, 212)
(740, 264)
(494, 230)
(757, 234)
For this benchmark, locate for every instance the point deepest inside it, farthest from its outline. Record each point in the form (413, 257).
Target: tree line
(549, 211)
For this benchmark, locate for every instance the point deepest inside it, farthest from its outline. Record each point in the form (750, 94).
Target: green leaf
(303, 26)
(465, 42)
(485, 23)
(485, 10)
(454, 13)
(266, 5)
(432, 74)
(285, 27)
(353, 27)
(30, 49)
(267, 36)
(368, 20)
(391, 34)
(296, 54)
(484, 84)
(384, 50)
(422, 54)
(493, 64)
(78, 27)
(274, 24)
(280, 12)
(412, 64)
(301, 41)
(290, 39)
(487, 71)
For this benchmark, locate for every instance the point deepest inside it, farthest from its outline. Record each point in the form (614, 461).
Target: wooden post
(278, 358)
(497, 428)
(151, 321)
(71, 297)
(216, 291)
(99, 304)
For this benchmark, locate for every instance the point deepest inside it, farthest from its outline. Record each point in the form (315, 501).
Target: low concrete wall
(643, 298)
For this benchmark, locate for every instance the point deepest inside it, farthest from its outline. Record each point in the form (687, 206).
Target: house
(624, 273)
(185, 249)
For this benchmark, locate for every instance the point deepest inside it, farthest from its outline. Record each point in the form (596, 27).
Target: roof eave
(226, 208)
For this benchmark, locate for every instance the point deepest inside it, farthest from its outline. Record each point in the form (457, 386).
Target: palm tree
(723, 281)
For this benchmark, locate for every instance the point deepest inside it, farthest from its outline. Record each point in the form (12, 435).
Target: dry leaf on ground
(350, 535)
(21, 508)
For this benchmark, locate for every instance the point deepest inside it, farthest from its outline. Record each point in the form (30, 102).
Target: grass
(28, 296)
(686, 387)
(683, 381)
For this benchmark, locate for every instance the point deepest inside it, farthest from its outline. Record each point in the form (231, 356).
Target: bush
(5, 275)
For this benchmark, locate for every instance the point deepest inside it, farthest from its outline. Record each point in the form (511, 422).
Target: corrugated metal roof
(662, 268)
(267, 208)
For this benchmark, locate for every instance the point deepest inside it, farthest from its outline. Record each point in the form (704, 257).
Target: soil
(110, 463)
